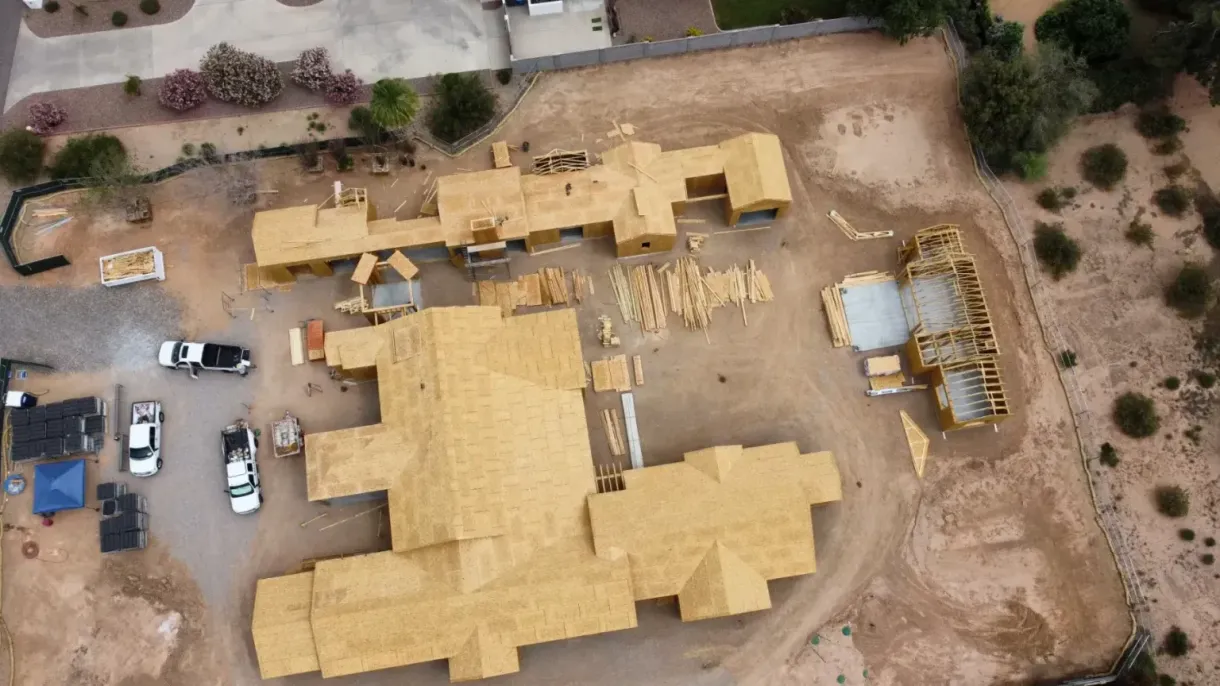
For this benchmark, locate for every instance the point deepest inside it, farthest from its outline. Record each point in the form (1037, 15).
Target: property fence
(1084, 419)
(679, 46)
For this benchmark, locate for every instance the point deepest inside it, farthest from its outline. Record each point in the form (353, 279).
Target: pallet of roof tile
(54, 411)
(95, 424)
(19, 417)
(110, 490)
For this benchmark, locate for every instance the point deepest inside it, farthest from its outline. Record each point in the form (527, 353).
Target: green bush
(1205, 379)
(1208, 207)
(1104, 165)
(1006, 39)
(51, 6)
(692, 32)
(1139, 233)
(1172, 501)
(504, 76)
(1135, 414)
(1173, 200)
(1129, 79)
(394, 103)
(1167, 146)
(1172, 383)
(21, 154)
(150, 6)
(901, 20)
(1094, 29)
(1108, 455)
(1209, 542)
(1031, 166)
(1159, 122)
(1207, 558)
(79, 158)
(132, 85)
(1055, 198)
(118, 18)
(1186, 534)
(1055, 249)
(1176, 643)
(1067, 359)
(461, 103)
(362, 123)
(1190, 292)
(208, 153)
(1173, 171)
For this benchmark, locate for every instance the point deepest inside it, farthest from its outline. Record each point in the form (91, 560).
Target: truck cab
(144, 438)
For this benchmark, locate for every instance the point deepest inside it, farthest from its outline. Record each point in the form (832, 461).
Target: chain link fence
(1088, 434)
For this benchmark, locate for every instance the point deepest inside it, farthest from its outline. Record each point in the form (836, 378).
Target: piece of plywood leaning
(917, 441)
(851, 232)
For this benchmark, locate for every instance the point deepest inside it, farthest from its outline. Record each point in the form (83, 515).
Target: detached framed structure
(633, 195)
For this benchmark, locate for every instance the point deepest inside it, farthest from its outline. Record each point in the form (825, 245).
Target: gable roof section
(709, 528)
(754, 170)
(283, 635)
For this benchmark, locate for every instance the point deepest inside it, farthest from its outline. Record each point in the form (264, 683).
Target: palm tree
(394, 103)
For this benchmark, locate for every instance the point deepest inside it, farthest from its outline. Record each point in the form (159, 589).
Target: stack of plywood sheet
(611, 374)
(545, 288)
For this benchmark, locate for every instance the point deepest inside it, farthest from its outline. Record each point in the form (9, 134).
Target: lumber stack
(128, 264)
(554, 286)
(836, 317)
(611, 374)
(545, 288)
(616, 438)
(648, 294)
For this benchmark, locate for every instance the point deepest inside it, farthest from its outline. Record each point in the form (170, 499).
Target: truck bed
(217, 356)
(144, 412)
(235, 441)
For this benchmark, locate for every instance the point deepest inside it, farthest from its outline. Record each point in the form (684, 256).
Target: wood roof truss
(557, 161)
(931, 242)
(975, 390)
(953, 320)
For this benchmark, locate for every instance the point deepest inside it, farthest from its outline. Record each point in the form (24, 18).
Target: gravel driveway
(85, 329)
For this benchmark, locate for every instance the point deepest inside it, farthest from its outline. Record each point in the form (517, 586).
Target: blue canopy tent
(59, 486)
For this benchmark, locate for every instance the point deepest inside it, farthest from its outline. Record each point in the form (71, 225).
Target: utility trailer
(133, 266)
(286, 436)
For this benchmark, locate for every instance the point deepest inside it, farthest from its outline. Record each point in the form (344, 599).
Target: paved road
(373, 38)
(10, 22)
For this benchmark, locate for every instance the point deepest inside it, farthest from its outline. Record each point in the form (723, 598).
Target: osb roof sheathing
(711, 528)
(283, 635)
(754, 170)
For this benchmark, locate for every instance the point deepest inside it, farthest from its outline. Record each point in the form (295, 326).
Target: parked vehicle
(144, 439)
(208, 356)
(239, 448)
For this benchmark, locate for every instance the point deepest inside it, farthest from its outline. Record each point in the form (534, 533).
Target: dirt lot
(990, 570)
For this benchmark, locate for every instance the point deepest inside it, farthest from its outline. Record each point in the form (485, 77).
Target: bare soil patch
(68, 21)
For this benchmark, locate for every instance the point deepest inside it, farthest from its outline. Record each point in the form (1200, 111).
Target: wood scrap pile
(354, 305)
(128, 264)
(616, 436)
(694, 242)
(647, 294)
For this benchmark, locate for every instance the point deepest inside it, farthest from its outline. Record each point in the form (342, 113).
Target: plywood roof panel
(754, 170)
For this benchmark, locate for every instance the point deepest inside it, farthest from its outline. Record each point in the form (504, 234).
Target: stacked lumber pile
(836, 317)
(611, 374)
(616, 436)
(129, 264)
(639, 296)
(648, 294)
(545, 288)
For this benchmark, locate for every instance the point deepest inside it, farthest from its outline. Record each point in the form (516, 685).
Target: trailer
(133, 266)
(286, 436)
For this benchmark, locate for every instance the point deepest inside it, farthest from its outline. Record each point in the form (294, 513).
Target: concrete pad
(553, 34)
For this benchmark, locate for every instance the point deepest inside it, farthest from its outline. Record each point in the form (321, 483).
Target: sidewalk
(373, 38)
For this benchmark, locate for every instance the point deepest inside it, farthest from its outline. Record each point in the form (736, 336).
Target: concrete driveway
(373, 38)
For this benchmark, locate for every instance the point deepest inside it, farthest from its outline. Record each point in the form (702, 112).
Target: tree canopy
(904, 19)
(461, 104)
(1096, 30)
(394, 103)
(1023, 105)
(1193, 47)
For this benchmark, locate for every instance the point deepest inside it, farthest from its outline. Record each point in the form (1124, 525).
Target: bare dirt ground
(1113, 313)
(990, 570)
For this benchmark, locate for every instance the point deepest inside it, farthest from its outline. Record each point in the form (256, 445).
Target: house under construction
(935, 308)
(500, 537)
(633, 194)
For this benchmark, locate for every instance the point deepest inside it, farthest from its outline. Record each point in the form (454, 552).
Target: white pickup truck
(144, 441)
(208, 356)
(240, 450)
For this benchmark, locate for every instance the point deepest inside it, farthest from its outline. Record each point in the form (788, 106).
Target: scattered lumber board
(612, 425)
(836, 318)
(638, 362)
(296, 347)
(851, 232)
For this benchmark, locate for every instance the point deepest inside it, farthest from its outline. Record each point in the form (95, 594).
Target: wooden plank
(886, 381)
(505, 298)
(620, 374)
(602, 378)
(499, 154)
(315, 340)
(296, 346)
(404, 266)
(639, 369)
(364, 269)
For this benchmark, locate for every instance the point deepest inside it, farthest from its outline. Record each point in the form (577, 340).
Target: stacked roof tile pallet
(70, 427)
(124, 524)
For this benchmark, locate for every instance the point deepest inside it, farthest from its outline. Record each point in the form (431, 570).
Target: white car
(240, 450)
(209, 356)
(144, 438)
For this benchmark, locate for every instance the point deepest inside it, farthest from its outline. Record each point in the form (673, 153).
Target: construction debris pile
(645, 294)
(547, 287)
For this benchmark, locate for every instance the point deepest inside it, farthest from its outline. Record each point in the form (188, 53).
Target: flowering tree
(182, 90)
(45, 116)
(313, 69)
(343, 89)
(240, 77)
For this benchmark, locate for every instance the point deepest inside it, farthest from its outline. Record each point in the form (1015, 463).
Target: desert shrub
(1139, 233)
(1173, 171)
(188, 149)
(118, 18)
(132, 85)
(394, 103)
(1190, 292)
(1172, 501)
(1186, 534)
(1167, 146)
(1006, 39)
(150, 6)
(343, 89)
(1067, 359)
(1135, 414)
(51, 6)
(1209, 542)
(45, 116)
(82, 155)
(1207, 558)
(208, 153)
(1204, 379)
(1108, 455)
(1055, 198)
(361, 122)
(240, 77)
(460, 105)
(182, 90)
(1173, 200)
(1177, 8)
(1057, 252)
(1128, 79)
(312, 70)
(1094, 29)
(1176, 643)
(504, 76)
(21, 154)
(1031, 166)
(1104, 165)
(1158, 122)
(793, 14)
(692, 31)
(1211, 229)
(1172, 383)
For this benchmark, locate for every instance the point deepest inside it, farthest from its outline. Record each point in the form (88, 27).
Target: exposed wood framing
(917, 441)
(931, 242)
(558, 161)
(954, 328)
(987, 396)
(851, 232)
